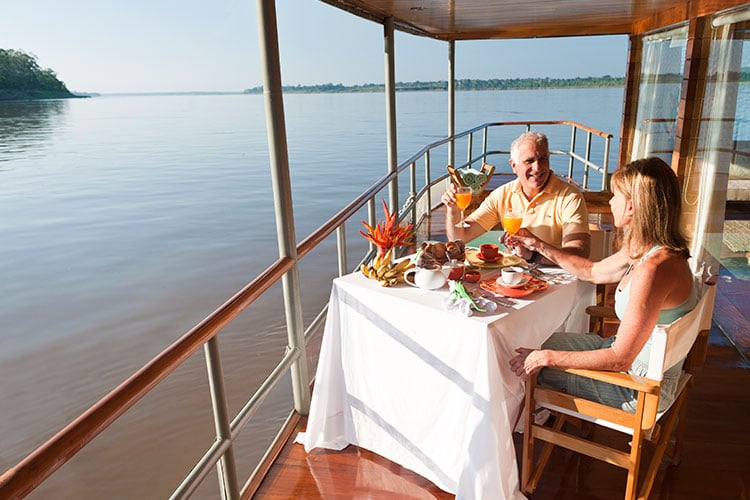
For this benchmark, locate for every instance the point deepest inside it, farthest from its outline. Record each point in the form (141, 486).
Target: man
(553, 209)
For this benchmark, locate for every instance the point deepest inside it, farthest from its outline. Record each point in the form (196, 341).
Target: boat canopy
(488, 19)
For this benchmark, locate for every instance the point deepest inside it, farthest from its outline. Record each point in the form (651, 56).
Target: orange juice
(463, 200)
(512, 222)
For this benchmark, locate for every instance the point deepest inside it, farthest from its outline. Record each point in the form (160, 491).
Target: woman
(655, 286)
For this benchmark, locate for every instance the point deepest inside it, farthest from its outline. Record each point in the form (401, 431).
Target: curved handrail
(21, 479)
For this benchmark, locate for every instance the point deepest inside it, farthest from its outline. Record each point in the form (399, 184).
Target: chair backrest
(671, 343)
(602, 244)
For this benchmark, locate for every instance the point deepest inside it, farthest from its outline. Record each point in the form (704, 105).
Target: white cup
(511, 275)
(428, 277)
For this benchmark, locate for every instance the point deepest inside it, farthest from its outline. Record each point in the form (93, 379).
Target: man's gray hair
(537, 138)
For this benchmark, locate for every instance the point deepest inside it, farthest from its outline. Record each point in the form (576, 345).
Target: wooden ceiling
(486, 19)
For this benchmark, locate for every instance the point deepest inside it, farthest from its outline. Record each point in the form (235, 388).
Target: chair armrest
(634, 382)
(601, 312)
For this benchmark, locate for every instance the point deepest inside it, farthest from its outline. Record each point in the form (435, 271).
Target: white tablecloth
(427, 388)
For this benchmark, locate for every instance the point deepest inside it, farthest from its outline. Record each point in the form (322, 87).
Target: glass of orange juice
(512, 221)
(463, 199)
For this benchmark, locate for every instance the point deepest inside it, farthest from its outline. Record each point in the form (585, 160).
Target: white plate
(517, 285)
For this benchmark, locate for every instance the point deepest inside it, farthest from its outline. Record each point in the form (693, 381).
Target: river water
(128, 219)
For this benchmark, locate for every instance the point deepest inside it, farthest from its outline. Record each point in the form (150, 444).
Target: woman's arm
(650, 286)
(608, 270)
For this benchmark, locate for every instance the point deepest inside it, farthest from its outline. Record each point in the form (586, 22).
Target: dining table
(427, 387)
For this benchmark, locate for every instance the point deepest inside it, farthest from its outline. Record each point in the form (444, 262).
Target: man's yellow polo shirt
(557, 211)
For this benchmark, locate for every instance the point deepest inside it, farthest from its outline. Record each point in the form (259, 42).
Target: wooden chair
(687, 338)
(602, 246)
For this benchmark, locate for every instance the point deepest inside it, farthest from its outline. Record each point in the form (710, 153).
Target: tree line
(463, 84)
(492, 84)
(22, 78)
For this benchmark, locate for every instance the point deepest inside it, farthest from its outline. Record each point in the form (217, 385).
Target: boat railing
(20, 480)
(579, 163)
(572, 153)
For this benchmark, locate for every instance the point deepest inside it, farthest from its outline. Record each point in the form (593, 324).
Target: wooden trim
(584, 406)
(273, 452)
(21, 479)
(641, 384)
(630, 99)
(691, 95)
(590, 448)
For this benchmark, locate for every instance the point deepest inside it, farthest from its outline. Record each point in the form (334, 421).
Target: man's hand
(449, 197)
(522, 243)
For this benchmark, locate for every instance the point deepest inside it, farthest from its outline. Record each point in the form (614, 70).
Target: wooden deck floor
(715, 463)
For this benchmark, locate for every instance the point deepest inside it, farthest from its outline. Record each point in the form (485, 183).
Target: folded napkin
(473, 178)
(458, 302)
(504, 260)
(481, 179)
(469, 177)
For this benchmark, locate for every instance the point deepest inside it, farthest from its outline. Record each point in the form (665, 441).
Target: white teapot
(428, 277)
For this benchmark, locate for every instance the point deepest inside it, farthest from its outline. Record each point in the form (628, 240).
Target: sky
(111, 46)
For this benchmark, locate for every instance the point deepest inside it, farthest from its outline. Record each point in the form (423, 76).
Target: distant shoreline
(465, 84)
(36, 95)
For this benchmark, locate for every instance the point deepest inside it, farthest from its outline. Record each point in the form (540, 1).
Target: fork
(503, 301)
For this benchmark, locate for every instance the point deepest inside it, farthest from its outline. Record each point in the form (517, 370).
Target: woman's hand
(527, 362)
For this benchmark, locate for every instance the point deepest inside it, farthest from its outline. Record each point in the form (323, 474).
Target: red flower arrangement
(388, 234)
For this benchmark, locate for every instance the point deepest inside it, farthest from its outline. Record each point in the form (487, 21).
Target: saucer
(520, 284)
(485, 259)
(533, 285)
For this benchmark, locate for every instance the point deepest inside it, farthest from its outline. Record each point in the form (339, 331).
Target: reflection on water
(25, 126)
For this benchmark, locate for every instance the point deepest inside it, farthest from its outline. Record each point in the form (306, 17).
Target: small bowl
(471, 275)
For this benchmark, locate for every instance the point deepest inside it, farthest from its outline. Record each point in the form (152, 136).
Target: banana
(391, 273)
(404, 265)
(387, 258)
(388, 282)
(385, 270)
(380, 272)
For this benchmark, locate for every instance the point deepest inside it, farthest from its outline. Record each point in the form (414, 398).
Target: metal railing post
(588, 159)
(571, 160)
(413, 190)
(428, 182)
(341, 247)
(605, 165)
(282, 197)
(371, 217)
(226, 466)
(485, 133)
(390, 109)
(451, 101)
(469, 147)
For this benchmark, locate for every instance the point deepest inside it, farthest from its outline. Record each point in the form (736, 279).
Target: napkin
(473, 178)
(455, 303)
(505, 260)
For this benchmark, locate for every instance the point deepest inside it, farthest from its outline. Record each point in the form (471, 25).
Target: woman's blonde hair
(653, 188)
